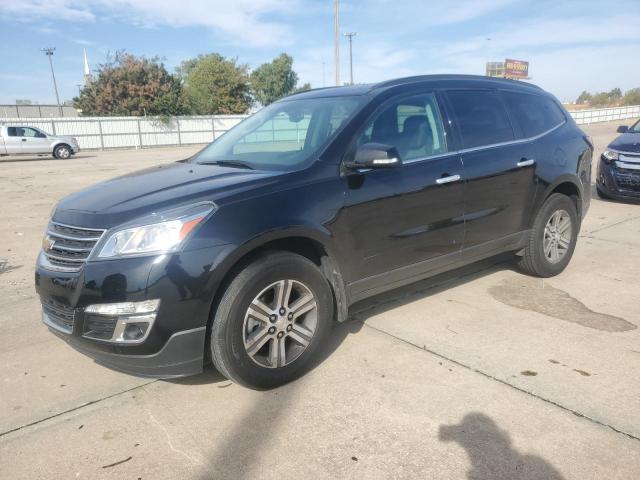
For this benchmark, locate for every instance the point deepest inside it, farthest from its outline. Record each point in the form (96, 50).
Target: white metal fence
(140, 132)
(605, 114)
(134, 132)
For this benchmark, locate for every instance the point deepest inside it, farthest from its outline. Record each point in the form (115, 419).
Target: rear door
(500, 171)
(399, 217)
(34, 141)
(13, 142)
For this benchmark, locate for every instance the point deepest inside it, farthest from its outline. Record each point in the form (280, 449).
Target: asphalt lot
(479, 373)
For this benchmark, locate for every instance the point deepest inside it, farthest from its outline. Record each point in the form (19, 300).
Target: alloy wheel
(557, 236)
(280, 323)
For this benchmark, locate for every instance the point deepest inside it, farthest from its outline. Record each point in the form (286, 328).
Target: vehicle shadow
(491, 454)
(361, 311)
(398, 297)
(41, 158)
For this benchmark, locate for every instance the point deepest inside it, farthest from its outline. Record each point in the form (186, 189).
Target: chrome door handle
(525, 162)
(449, 179)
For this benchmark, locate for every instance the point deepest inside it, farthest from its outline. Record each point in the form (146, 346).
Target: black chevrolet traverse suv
(247, 252)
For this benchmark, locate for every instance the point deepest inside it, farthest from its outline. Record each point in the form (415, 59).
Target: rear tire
(258, 334)
(62, 152)
(552, 238)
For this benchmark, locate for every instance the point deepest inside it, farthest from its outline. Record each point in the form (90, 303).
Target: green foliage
(612, 98)
(585, 97)
(600, 100)
(303, 88)
(615, 94)
(274, 80)
(632, 97)
(130, 85)
(215, 85)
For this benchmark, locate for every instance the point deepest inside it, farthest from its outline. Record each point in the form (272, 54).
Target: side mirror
(375, 155)
(622, 129)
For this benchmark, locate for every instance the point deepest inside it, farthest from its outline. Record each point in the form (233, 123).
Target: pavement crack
(504, 382)
(86, 404)
(605, 227)
(193, 460)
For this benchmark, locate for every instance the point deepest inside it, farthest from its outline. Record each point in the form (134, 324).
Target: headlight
(610, 155)
(158, 233)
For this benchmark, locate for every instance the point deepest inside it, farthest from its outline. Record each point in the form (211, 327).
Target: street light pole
(49, 53)
(350, 36)
(336, 38)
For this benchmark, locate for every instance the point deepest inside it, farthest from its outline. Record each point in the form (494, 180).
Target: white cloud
(241, 20)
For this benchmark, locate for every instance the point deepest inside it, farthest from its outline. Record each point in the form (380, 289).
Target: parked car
(248, 251)
(619, 167)
(23, 140)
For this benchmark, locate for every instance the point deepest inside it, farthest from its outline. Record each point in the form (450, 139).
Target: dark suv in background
(248, 251)
(619, 167)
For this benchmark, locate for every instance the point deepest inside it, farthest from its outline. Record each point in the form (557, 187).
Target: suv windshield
(283, 136)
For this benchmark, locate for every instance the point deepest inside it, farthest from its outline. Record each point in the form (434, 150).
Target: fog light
(133, 320)
(134, 331)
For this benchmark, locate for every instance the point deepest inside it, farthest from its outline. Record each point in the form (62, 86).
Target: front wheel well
(304, 246)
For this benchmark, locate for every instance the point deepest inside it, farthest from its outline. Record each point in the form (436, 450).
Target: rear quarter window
(480, 117)
(534, 113)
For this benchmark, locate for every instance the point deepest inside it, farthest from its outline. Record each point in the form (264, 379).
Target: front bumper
(185, 284)
(616, 182)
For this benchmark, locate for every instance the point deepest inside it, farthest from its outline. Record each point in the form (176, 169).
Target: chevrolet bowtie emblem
(48, 243)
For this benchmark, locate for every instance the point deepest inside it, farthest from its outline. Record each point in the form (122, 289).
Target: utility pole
(336, 38)
(324, 84)
(350, 36)
(49, 53)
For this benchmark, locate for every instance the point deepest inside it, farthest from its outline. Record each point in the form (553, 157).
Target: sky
(572, 45)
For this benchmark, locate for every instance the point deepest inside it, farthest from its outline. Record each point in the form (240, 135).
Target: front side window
(480, 117)
(412, 125)
(283, 136)
(30, 132)
(535, 114)
(635, 128)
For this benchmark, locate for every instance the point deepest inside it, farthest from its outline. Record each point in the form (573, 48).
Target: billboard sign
(516, 68)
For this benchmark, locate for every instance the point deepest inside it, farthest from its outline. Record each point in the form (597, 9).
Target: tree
(130, 85)
(303, 88)
(600, 99)
(584, 98)
(274, 80)
(631, 97)
(215, 85)
(615, 95)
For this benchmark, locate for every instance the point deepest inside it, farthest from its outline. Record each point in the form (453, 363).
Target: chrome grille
(67, 247)
(59, 316)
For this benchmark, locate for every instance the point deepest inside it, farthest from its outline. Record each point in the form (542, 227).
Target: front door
(499, 171)
(402, 216)
(34, 141)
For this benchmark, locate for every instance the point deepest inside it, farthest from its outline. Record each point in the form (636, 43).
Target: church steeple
(87, 70)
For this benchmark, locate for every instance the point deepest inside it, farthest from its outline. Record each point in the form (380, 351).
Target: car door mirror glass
(375, 155)
(623, 129)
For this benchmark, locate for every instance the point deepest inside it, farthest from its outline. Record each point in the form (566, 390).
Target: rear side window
(534, 113)
(11, 132)
(480, 117)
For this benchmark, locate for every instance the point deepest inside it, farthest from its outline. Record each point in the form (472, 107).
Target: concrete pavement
(478, 373)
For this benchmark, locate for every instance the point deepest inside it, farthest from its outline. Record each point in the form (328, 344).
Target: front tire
(272, 321)
(62, 152)
(552, 238)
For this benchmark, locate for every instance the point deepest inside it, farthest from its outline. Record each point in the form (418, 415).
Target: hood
(627, 142)
(66, 138)
(125, 198)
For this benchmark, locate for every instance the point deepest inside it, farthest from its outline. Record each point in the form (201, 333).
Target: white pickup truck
(22, 140)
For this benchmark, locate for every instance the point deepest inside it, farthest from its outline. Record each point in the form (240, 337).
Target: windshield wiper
(228, 163)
